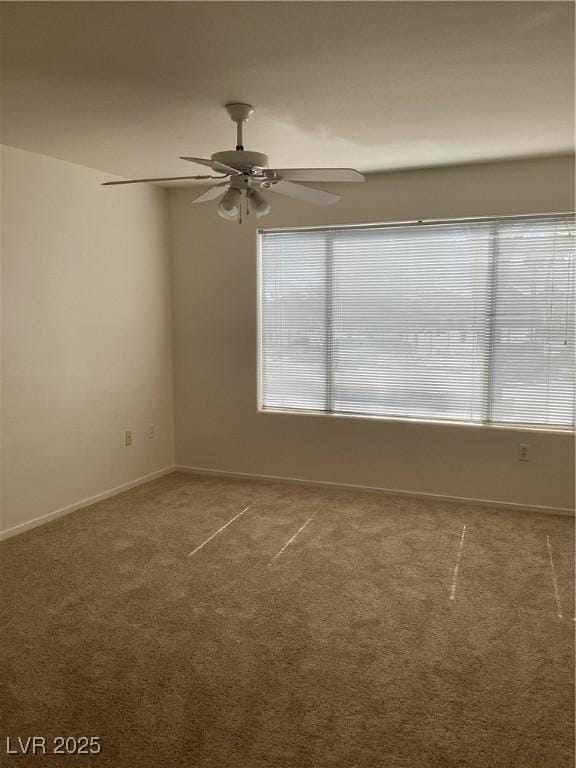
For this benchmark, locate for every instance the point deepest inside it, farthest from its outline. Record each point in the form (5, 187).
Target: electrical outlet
(127, 438)
(523, 452)
(151, 431)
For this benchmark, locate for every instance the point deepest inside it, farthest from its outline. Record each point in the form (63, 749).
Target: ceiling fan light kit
(229, 206)
(258, 204)
(242, 173)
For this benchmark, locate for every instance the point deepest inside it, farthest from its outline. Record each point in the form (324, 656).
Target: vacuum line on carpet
(290, 540)
(209, 539)
(554, 579)
(457, 566)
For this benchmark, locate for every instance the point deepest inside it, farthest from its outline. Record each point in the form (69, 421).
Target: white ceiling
(128, 87)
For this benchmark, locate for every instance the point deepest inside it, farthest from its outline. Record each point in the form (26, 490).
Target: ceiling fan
(243, 173)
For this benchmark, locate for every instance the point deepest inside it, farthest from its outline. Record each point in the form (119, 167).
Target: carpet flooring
(389, 632)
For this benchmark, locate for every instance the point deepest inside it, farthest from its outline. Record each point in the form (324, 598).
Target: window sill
(400, 420)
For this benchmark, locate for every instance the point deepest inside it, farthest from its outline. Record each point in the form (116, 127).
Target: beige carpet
(345, 651)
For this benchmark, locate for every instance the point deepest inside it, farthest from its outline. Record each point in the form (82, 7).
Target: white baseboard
(376, 489)
(80, 504)
(272, 479)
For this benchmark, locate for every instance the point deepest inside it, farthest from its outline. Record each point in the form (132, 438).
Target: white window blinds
(464, 321)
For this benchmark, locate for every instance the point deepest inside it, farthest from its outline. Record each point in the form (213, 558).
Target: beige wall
(214, 294)
(86, 342)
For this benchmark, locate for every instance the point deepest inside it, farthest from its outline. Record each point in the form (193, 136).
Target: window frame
(260, 409)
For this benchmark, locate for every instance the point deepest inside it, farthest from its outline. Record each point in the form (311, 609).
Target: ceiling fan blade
(165, 178)
(211, 193)
(319, 174)
(214, 164)
(307, 194)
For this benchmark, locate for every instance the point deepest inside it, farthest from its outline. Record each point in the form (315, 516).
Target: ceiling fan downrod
(239, 114)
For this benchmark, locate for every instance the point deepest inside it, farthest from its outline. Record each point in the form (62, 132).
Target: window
(468, 321)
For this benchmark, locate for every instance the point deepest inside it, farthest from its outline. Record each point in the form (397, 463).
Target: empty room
(288, 384)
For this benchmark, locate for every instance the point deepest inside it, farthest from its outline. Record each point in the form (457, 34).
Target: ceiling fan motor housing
(241, 160)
